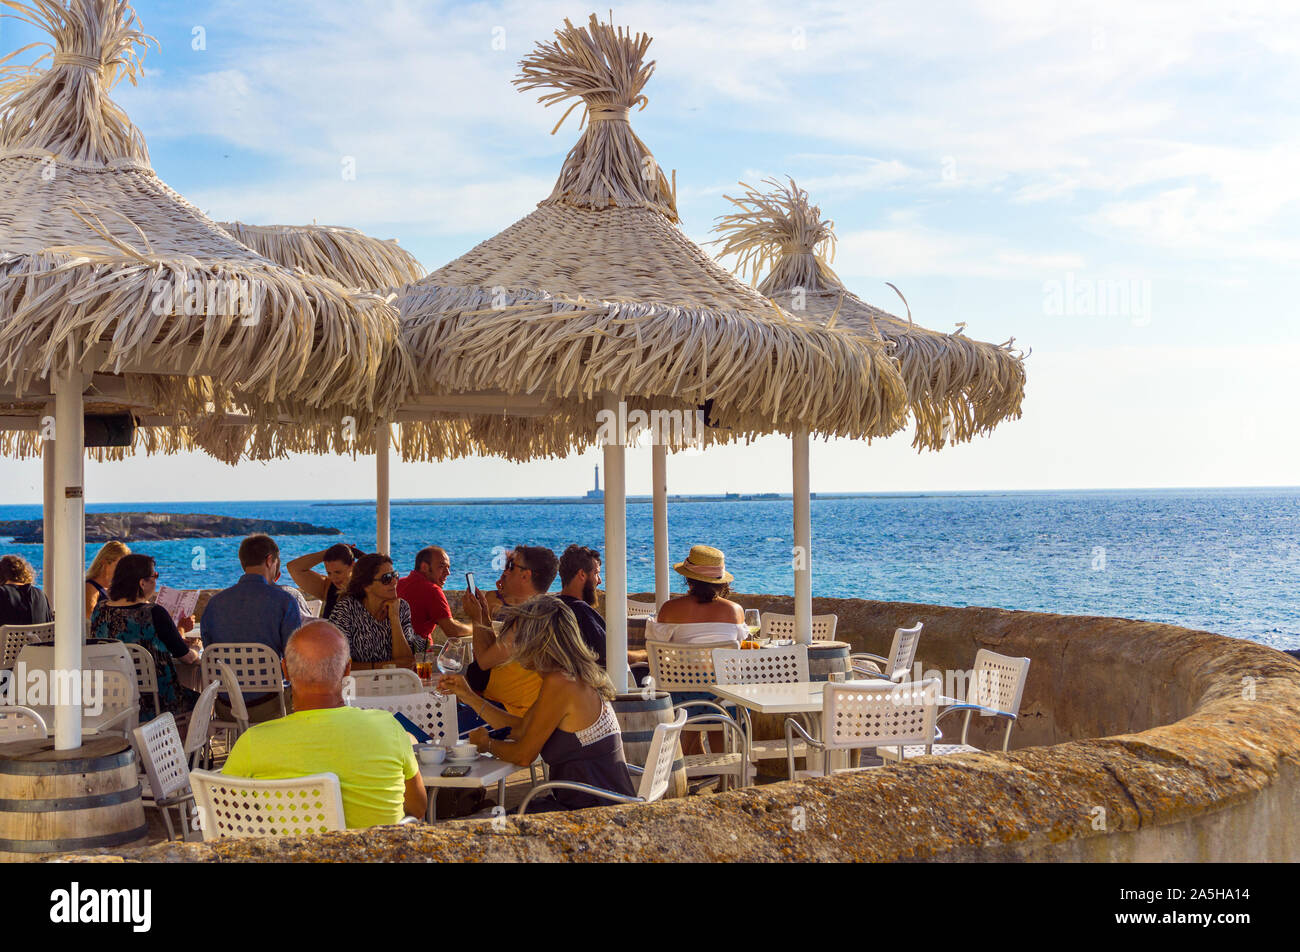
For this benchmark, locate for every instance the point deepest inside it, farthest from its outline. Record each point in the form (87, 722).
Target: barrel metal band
(72, 845)
(39, 768)
(63, 804)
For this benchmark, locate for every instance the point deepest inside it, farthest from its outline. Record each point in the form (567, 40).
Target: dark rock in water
(156, 526)
(1293, 652)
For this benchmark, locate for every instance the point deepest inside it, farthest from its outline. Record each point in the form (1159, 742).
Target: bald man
(367, 749)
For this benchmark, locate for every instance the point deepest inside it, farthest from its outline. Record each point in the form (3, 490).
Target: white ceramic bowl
(431, 753)
(464, 752)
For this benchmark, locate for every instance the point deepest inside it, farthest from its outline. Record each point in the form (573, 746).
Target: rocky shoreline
(161, 526)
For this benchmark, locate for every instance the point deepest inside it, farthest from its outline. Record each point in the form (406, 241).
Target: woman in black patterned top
(373, 618)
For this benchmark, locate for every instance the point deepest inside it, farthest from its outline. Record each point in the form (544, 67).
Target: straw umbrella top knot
(65, 110)
(603, 69)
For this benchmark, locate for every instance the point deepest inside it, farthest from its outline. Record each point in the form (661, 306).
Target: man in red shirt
(422, 590)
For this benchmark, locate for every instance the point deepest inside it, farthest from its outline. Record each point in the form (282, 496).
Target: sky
(996, 161)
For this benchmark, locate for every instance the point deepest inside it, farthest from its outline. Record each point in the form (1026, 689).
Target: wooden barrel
(825, 657)
(638, 716)
(63, 801)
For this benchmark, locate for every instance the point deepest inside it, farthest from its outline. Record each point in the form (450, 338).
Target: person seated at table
(337, 561)
(100, 574)
(21, 602)
(572, 725)
(529, 572)
(129, 616)
(375, 621)
(366, 748)
(704, 615)
(253, 611)
(579, 579)
(422, 590)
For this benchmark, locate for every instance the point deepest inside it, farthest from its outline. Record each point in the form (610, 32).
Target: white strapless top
(696, 632)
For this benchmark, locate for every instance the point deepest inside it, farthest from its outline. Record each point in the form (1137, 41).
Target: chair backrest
(163, 755)
(764, 666)
(239, 806)
(679, 667)
(902, 652)
(640, 609)
(385, 682)
(256, 667)
(883, 715)
(14, 638)
(234, 694)
(781, 627)
(997, 681)
(21, 723)
(196, 734)
(119, 692)
(434, 715)
(146, 673)
(660, 757)
(106, 656)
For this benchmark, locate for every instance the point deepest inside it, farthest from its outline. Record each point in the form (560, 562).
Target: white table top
(791, 698)
(90, 723)
(484, 772)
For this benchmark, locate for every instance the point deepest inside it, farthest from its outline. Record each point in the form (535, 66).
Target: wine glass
(451, 659)
(753, 621)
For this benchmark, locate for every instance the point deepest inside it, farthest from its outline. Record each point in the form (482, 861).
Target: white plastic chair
(197, 733)
(167, 774)
(14, 638)
(786, 665)
(21, 723)
(255, 666)
(898, 666)
(856, 716)
(654, 776)
(434, 715)
(240, 806)
(382, 682)
(996, 687)
(146, 673)
(640, 609)
(772, 625)
(121, 703)
(239, 721)
(689, 667)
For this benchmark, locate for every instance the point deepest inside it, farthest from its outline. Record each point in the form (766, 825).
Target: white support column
(802, 555)
(47, 510)
(615, 567)
(70, 547)
(659, 465)
(383, 509)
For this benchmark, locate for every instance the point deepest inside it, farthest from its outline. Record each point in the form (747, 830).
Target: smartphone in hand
(470, 586)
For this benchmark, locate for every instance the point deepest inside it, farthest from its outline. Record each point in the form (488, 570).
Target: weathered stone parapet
(1138, 741)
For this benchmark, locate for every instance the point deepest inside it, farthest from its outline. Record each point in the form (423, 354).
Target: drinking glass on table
(452, 659)
(424, 667)
(753, 621)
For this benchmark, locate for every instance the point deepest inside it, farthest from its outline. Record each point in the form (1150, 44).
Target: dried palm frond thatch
(957, 388)
(348, 256)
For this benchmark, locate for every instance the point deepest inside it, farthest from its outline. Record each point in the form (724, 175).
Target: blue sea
(1224, 560)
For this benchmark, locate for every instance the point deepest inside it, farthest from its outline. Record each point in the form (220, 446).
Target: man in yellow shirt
(367, 749)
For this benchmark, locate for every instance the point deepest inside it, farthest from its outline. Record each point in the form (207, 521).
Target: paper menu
(179, 603)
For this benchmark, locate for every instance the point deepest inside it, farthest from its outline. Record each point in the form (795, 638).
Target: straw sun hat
(704, 563)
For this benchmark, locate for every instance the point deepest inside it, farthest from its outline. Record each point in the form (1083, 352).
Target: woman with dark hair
(376, 622)
(338, 560)
(129, 615)
(704, 615)
(21, 602)
(572, 725)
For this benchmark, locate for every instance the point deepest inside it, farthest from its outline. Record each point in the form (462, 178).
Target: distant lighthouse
(595, 492)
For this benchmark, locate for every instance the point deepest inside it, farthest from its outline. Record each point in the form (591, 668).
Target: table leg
(501, 794)
(431, 811)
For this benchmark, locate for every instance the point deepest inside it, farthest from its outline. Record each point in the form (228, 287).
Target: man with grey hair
(367, 749)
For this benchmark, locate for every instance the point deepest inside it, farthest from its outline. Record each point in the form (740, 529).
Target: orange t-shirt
(513, 687)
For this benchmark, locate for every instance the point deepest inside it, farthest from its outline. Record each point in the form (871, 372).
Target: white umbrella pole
(70, 550)
(383, 510)
(802, 554)
(659, 467)
(616, 554)
(47, 512)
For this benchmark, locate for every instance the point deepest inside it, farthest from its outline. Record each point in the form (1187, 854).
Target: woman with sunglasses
(376, 622)
(128, 614)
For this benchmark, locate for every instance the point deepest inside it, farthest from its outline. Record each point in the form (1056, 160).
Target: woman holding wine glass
(376, 622)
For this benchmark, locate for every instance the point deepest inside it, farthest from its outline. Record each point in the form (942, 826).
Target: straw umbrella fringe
(350, 257)
(957, 388)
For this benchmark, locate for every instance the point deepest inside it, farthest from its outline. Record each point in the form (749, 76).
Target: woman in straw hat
(704, 615)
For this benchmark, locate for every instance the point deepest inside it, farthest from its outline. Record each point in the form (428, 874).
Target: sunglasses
(386, 578)
(511, 565)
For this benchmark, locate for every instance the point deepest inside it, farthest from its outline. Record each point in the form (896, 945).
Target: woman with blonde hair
(572, 724)
(99, 577)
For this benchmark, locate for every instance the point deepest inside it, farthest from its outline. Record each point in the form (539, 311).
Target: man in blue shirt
(254, 609)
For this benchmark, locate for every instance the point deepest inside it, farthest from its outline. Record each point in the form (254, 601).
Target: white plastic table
(484, 772)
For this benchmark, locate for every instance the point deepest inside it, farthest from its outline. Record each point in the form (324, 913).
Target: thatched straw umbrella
(598, 296)
(104, 270)
(350, 257)
(957, 388)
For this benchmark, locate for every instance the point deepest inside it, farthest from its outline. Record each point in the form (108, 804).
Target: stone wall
(1137, 741)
